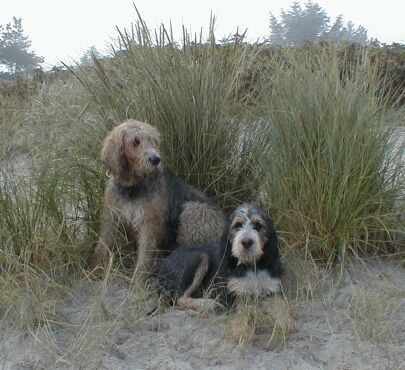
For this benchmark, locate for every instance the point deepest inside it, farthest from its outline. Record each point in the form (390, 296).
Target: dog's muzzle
(246, 247)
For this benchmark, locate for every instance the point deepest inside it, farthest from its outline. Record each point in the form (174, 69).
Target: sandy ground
(356, 323)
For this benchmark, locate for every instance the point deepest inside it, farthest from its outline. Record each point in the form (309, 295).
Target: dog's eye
(257, 226)
(136, 142)
(238, 225)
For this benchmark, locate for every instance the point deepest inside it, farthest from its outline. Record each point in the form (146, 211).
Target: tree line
(295, 26)
(310, 22)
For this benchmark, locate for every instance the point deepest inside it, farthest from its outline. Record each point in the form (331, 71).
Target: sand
(355, 323)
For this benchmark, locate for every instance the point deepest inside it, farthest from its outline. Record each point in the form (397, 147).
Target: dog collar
(130, 191)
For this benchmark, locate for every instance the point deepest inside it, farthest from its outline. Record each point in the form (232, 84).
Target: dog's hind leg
(197, 304)
(198, 276)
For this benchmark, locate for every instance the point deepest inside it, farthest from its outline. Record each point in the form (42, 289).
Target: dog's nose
(155, 160)
(247, 243)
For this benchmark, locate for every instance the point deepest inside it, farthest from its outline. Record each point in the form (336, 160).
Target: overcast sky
(60, 30)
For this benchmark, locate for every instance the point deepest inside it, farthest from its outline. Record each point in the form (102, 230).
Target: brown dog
(157, 209)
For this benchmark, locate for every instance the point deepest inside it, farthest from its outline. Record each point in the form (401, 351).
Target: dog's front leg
(147, 249)
(109, 225)
(281, 313)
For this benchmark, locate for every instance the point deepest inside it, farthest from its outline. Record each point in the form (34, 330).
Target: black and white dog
(245, 263)
(251, 253)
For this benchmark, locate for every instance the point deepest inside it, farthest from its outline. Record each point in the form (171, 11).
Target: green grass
(333, 176)
(190, 93)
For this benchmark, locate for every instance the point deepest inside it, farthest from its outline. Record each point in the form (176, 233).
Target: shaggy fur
(251, 253)
(148, 200)
(246, 263)
(189, 271)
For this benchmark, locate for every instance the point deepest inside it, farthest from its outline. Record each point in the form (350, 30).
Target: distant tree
(15, 52)
(310, 22)
(277, 35)
(337, 30)
(354, 34)
(87, 58)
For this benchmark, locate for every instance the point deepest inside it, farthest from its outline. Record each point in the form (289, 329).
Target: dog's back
(192, 218)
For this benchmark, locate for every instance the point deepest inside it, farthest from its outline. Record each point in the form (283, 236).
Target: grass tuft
(189, 91)
(333, 176)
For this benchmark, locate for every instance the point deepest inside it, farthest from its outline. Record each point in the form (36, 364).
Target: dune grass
(333, 176)
(189, 91)
(314, 141)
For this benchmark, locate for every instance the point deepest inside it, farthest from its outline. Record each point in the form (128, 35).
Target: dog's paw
(152, 305)
(280, 312)
(208, 305)
(236, 287)
(201, 305)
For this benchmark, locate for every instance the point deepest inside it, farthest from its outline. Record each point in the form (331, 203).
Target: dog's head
(249, 237)
(131, 153)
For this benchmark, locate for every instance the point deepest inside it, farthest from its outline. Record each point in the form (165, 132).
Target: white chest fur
(254, 284)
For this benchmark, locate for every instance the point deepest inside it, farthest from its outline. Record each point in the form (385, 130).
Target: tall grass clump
(41, 195)
(333, 156)
(189, 90)
(38, 230)
(42, 204)
(40, 221)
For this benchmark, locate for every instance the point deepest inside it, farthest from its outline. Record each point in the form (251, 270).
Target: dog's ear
(113, 154)
(226, 246)
(271, 257)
